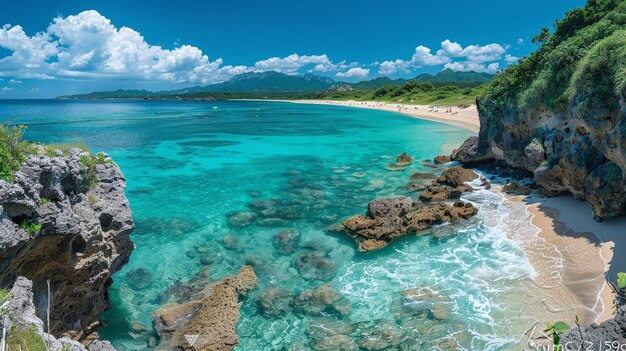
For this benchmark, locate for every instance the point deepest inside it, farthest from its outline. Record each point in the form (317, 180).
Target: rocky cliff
(26, 331)
(560, 113)
(65, 218)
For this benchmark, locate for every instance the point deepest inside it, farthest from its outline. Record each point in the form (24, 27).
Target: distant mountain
(270, 81)
(376, 83)
(261, 84)
(450, 76)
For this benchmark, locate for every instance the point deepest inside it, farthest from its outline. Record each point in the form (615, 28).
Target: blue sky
(50, 48)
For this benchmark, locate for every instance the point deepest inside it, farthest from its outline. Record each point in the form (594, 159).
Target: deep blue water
(191, 164)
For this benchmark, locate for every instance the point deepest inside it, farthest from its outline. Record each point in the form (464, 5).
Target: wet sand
(585, 249)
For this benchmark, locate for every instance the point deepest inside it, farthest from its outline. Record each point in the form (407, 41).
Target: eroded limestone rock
(393, 218)
(213, 317)
(80, 224)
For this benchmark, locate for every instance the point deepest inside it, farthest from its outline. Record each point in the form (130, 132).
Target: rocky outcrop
(388, 219)
(597, 337)
(404, 159)
(457, 175)
(26, 331)
(65, 218)
(570, 135)
(212, 316)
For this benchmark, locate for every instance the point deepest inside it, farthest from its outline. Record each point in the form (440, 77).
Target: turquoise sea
(192, 165)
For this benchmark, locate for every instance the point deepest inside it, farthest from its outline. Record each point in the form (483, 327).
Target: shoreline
(464, 118)
(567, 225)
(575, 239)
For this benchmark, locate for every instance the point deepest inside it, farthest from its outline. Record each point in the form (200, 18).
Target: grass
(31, 228)
(92, 198)
(5, 295)
(65, 147)
(26, 339)
(90, 162)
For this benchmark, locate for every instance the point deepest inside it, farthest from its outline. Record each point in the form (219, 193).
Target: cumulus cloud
(290, 64)
(6, 89)
(393, 67)
(471, 58)
(474, 53)
(467, 66)
(88, 45)
(510, 59)
(353, 73)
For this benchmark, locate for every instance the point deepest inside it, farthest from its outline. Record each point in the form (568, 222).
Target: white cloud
(334, 67)
(290, 64)
(352, 73)
(474, 53)
(6, 89)
(89, 46)
(520, 41)
(422, 56)
(34, 90)
(467, 66)
(472, 57)
(393, 67)
(510, 59)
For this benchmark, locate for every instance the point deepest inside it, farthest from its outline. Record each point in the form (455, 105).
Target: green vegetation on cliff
(13, 150)
(559, 113)
(581, 64)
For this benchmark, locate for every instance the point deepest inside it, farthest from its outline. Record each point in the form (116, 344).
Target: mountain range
(274, 82)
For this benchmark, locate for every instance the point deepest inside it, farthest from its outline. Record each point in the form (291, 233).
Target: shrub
(26, 339)
(31, 228)
(13, 150)
(90, 162)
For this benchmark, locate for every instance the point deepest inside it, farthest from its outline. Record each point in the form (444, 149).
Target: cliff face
(65, 218)
(26, 331)
(560, 113)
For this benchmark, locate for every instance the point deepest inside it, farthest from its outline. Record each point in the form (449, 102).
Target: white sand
(465, 118)
(568, 224)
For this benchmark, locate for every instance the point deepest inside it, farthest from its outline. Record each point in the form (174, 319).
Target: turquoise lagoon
(190, 164)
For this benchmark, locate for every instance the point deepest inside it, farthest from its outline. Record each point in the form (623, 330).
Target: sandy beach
(465, 118)
(585, 249)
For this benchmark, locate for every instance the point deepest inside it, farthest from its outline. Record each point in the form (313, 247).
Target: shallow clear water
(188, 165)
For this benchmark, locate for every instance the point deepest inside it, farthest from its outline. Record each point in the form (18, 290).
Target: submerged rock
(423, 175)
(388, 219)
(213, 317)
(230, 242)
(315, 266)
(241, 219)
(274, 302)
(286, 242)
(324, 300)
(442, 159)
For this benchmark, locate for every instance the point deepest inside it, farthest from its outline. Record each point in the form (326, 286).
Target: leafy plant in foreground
(555, 329)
